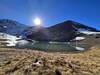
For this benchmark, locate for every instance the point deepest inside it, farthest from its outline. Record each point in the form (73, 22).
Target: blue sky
(52, 11)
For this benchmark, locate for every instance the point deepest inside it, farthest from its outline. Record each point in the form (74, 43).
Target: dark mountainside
(64, 31)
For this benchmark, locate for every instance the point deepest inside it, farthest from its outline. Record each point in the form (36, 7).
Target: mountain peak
(7, 21)
(69, 21)
(79, 26)
(11, 27)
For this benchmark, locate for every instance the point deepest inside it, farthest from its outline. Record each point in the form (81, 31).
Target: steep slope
(80, 26)
(64, 31)
(11, 27)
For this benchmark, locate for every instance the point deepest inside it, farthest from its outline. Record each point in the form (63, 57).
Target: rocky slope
(64, 31)
(12, 27)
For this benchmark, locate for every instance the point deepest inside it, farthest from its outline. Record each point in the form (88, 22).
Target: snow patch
(89, 32)
(79, 38)
(80, 48)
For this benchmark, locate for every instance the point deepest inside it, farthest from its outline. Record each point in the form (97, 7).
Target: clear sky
(52, 11)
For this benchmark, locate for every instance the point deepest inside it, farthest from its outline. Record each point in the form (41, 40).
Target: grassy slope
(22, 62)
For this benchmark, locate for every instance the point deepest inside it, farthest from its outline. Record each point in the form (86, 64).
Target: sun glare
(37, 21)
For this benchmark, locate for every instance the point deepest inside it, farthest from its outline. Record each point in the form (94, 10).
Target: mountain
(64, 31)
(80, 26)
(12, 27)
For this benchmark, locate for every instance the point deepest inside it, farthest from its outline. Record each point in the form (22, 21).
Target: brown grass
(24, 62)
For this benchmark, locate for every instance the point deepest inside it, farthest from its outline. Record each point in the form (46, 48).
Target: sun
(37, 21)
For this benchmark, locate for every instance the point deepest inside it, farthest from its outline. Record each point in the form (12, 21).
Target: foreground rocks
(32, 62)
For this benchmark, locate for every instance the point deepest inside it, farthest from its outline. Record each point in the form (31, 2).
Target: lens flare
(37, 21)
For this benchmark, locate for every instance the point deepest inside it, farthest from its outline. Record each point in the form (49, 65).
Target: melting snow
(80, 48)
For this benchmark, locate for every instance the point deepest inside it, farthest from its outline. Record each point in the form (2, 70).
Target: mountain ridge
(64, 31)
(11, 27)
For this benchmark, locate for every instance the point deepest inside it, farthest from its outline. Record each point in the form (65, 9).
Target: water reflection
(49, 46)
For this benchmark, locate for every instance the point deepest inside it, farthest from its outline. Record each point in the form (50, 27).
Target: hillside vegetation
(33, 62)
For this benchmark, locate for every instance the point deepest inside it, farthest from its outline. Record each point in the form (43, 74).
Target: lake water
(45, 46)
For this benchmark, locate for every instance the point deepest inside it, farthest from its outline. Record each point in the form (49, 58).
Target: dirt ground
(33, 62)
